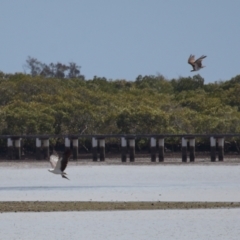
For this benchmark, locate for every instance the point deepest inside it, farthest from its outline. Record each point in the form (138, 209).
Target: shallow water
(122, 183)
(33, 182)
(215, 224)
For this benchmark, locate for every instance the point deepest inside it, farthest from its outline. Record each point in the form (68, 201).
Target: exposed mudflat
(50, 206)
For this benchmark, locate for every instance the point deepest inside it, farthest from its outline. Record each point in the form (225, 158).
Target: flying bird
(197, 65)
(59, 164)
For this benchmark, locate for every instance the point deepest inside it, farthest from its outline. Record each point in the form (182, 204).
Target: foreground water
(32, 182)
(218, 224)
(29, 181)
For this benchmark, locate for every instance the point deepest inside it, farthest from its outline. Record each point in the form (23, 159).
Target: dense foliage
(47, 104)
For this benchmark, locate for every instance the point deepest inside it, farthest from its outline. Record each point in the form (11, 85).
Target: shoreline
(53, 206)
(116, 161)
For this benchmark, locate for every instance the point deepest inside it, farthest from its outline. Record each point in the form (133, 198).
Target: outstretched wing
(191, 60)
(53, 160)
(199, 61)
(64, 160)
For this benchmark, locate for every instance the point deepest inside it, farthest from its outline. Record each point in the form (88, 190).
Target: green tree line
(57, 99)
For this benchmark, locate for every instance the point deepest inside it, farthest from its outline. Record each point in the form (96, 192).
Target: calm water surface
(220, 224)
(121, 183)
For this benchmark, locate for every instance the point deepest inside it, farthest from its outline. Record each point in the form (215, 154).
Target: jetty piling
(131, 149)
(123, 149)
(75, 148)
(161, 149)
(46, 148)
(94, 149)
(10, 148)
(192, 149)
(102, 149)
(220, 149)
(38, 149)
(184, 149)
(213, 149)
(153, 145)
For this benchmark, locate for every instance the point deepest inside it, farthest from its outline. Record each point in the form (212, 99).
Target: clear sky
(121, 39)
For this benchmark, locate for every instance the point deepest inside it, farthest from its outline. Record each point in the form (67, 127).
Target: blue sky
(121, 39)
